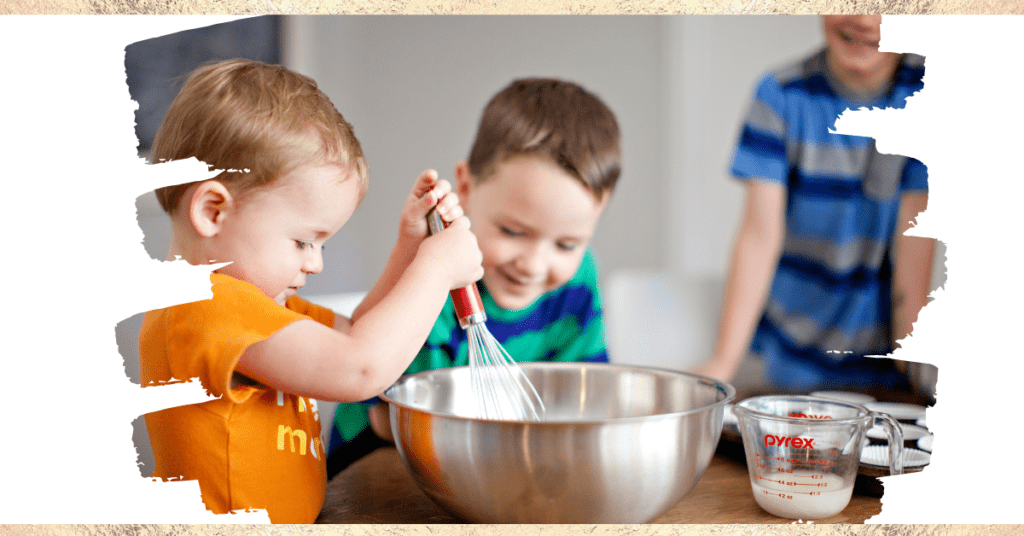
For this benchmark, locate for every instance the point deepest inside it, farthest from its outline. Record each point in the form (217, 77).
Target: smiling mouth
(857, 41)
(513, 280)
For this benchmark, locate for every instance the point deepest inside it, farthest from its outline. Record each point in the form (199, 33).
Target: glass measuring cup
(803, 452)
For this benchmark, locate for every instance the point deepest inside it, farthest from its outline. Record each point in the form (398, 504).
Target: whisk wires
(500, 387)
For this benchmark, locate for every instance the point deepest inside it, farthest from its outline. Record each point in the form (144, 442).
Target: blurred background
(414, 88)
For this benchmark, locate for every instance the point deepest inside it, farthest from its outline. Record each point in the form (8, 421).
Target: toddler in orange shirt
(294, 175)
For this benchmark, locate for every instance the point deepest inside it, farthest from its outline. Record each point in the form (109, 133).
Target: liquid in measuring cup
(802, 495)
(803, 452)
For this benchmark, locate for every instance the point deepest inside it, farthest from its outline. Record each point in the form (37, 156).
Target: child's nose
(314, 262)
(533, 260)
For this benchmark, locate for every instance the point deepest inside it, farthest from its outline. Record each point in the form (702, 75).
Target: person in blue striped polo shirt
(542, 168)
(821, 276)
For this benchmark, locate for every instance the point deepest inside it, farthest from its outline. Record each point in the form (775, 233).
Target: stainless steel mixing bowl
(618, 444)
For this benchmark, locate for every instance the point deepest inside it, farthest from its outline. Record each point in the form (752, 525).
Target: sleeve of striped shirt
(761, 150)
(915, 176)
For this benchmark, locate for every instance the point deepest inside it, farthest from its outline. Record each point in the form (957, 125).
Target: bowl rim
(725, 387)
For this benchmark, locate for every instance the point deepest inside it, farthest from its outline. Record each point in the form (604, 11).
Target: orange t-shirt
(254, 447)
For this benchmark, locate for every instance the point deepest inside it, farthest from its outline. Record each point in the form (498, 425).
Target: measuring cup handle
(895, 433)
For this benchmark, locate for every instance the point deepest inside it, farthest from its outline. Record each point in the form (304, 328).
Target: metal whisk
(500, 388)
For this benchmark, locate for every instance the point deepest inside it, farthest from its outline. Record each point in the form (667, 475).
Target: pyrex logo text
(783, 441)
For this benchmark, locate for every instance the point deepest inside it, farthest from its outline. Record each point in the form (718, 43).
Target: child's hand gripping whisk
(500, 388)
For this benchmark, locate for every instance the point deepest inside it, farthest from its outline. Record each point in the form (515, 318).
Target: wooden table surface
(378, 489)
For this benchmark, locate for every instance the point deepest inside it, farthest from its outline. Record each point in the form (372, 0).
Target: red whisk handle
(468, 305)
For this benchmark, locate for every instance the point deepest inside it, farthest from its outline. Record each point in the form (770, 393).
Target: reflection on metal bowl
(618, 444)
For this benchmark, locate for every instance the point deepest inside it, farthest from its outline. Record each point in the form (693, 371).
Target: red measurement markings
(780, 495)
(821, 462)
(818, 463)
(811, 462)
(795, 483)
(786, 494)
(809, 459)
(811, 493)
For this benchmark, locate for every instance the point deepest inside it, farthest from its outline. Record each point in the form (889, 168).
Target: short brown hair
(554, 119)
(246, 115)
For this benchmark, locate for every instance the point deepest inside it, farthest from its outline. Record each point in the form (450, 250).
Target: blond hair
(257, 122)
(554, 119)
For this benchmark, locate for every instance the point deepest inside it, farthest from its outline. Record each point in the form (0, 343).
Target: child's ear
(463, 182)
(209, 205)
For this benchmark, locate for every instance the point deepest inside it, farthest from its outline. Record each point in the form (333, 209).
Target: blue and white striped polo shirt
(830, 301)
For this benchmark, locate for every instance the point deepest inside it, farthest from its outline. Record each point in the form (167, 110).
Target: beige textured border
(254, 7)
(496, 530)
(506, 7)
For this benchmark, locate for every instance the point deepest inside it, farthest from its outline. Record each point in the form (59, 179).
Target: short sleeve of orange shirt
(253, 447)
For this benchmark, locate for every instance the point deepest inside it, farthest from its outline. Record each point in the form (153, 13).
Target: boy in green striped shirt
(542, 168)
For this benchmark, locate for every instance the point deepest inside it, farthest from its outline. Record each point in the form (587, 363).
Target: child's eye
(509, 232)
(566, 246)
(302, 244)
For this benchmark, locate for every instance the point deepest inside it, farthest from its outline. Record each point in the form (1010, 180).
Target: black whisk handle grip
(469, 307)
